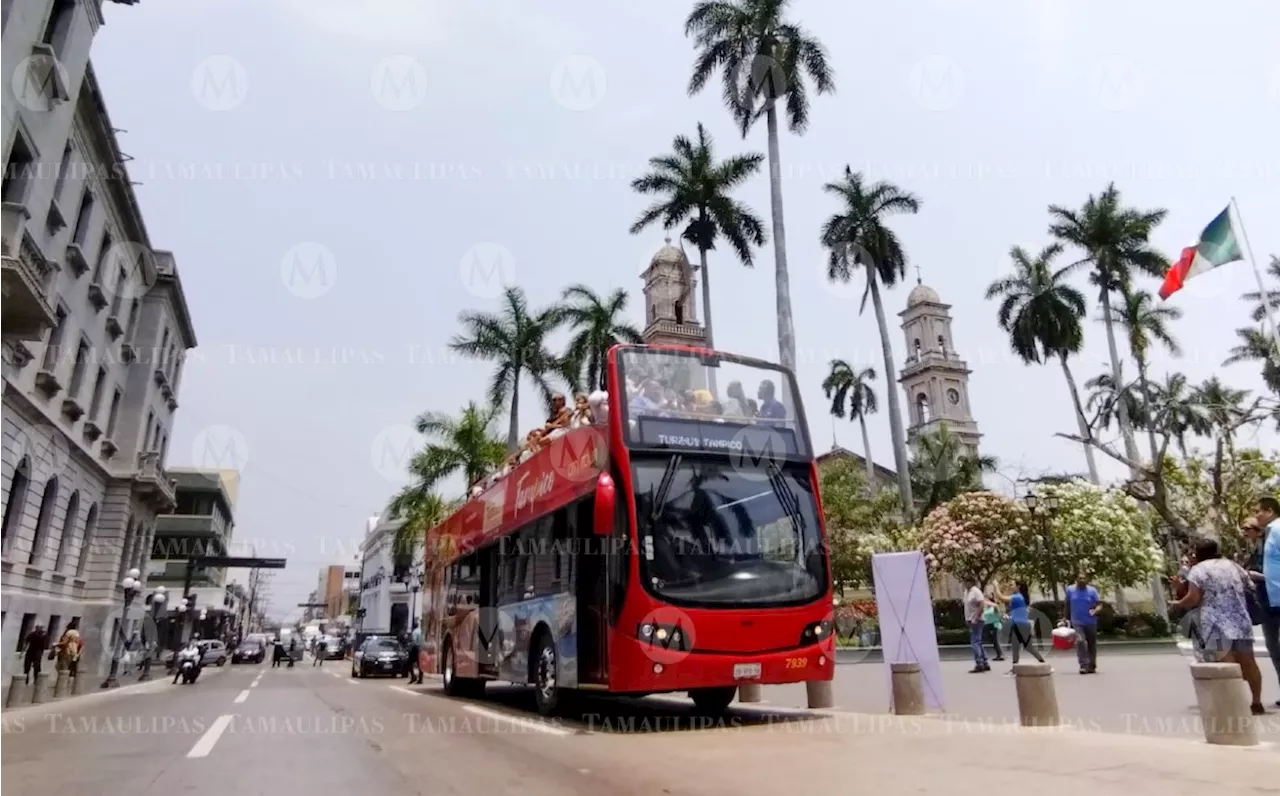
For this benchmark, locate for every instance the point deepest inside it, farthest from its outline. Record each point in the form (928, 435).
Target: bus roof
(562, 472)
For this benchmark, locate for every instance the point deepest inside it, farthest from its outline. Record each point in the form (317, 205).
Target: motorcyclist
(192, 651)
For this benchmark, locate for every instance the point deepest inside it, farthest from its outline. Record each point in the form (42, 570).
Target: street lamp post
(415, 586)
(130, 586)
(157, 600)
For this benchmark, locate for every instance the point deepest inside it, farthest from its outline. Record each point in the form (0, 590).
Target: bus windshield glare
(715, 535)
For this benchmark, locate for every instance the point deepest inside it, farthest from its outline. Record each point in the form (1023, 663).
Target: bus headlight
(646, 631)
(818, 631)
(669, 637)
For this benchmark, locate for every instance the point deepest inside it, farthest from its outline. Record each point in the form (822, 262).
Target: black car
(380, 656)
(249, 652)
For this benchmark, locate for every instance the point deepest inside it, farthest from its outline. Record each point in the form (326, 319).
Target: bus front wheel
(546, 691)
(454, 685)
(712, 701)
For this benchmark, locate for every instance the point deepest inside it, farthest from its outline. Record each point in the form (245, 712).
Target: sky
(327, 171)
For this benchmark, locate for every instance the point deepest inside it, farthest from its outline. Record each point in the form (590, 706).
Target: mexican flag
(1219, 244)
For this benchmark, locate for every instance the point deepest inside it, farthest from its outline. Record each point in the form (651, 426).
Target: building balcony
(92, 431)
(97, 296)
(109, 448)
(27, 280)
(128, 353)
(152, 482)
(200, 525)
(47, 383)
(664, 327)
(113, 327)
(72, 410)
(161, 379)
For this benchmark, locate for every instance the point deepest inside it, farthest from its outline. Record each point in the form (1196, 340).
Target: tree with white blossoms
(1100, 532)
(977, 535)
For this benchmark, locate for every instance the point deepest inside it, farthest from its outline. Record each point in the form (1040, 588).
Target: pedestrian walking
(974, 603)
(1021, 633)
(1267, 515)
(993, 625)
(1219, 588)
(277, 652)
(1262, 611)
(1083, 604)
(37, 643)
(318, 648)
(415, 644)
(68, 648)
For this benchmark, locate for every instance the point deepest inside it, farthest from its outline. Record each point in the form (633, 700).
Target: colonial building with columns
(95, 331)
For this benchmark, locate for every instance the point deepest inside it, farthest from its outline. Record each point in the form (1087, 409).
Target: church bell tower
(934, 378)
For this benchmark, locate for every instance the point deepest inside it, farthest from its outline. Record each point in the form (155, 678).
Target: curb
(961, 652)
(98, 695)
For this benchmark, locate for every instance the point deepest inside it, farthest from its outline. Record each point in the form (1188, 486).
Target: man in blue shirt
(415, 645)
(1265, 564)
(770, 407)
(1083, 603)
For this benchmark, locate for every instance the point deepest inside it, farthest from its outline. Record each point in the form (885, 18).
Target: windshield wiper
(664, 486)
(786, 496)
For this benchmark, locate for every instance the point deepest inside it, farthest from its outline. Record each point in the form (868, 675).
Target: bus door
(488, 647)
(592, 596)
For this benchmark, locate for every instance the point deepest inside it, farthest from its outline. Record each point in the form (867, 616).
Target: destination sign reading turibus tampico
(751, 439)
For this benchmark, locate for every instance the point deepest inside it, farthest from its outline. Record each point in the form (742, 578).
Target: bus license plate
(746, 671)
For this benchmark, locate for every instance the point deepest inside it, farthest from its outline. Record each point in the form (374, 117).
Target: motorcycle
(189, 665)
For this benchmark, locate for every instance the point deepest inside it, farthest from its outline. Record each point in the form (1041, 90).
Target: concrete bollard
(1223, 698)
(820, 693)
(40, 690)
(62, 685)
(19, 692)
(908, 689)
(749, 692)
(77, 683)
(1037, 698)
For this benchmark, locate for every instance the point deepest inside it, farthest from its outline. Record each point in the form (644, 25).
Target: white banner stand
(905, 610)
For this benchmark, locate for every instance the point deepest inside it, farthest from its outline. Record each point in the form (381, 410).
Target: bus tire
(449, 671)
(543, 664)
(712, 701)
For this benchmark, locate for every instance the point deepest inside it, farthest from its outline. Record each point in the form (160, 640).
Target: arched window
(917, 347)
(48, 502)
(680, 312)
(942, 345)
(922, 408)
(86, 538)
(63, 541)
(16, 503)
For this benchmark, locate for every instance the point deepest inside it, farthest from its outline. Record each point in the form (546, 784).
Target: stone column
(40, 690)
(19, 692)
(749, 692)
(908, 689)
(62, 685)
(1037, 698)
(820, 693)
(1223, 698)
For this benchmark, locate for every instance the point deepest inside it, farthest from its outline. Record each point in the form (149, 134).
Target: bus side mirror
(606, 501)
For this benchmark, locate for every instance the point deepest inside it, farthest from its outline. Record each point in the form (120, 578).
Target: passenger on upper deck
(560, 414)
(770, 407)
(649, 398)
(581, 412)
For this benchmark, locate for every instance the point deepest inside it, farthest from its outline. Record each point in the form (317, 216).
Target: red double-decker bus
(675, 545)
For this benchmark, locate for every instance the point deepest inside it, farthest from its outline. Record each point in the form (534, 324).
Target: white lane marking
(242, 696)
(205, 745)
(401, 688)
(517, 721)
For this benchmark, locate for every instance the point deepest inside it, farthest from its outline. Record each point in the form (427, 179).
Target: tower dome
(923, 294)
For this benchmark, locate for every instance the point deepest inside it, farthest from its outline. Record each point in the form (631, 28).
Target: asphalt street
(255, 730)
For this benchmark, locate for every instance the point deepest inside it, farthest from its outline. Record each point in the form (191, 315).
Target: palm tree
(1257, 346)
(515, 339)
(1273, 293)
(597, 326)
(1042, 315)
(421, 516)
(464, 445)
(1225, 409)
(944, 467)
(846, 385)
(858, 238)
(1180, 413)
(1146, 323)
(695, 192)
(1114, 240)
(762, 59)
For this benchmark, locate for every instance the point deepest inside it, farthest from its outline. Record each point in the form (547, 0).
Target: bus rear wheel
(543, 663)
(713, 701)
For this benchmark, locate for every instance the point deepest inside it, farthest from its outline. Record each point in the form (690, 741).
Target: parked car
(249, 652)
(380, 656)
(212, 652)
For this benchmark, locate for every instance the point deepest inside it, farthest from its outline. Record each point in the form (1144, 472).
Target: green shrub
(1051, 610)
(951, 636)
(1107, 619)
(948, 614)
(1146, 625)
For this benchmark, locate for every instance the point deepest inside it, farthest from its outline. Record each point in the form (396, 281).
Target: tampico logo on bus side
(580, 455)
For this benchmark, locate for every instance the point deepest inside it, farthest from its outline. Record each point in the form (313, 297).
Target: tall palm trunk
(866, 454)
(1126, 428)
(706, 306)
(1146, 398)
(513, 427)
(891, 396)
(1081, 422)
(786, 329)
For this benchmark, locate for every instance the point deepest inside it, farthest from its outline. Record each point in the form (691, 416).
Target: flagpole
(1262, 288)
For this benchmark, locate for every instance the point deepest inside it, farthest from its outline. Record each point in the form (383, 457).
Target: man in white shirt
(974, 603)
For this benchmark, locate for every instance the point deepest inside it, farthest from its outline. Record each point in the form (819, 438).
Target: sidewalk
(93, 694)
(957, 652)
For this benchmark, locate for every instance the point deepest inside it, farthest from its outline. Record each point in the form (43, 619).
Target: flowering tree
(977, 535)
(1100, 532)
(1220, 492)
(859, 521)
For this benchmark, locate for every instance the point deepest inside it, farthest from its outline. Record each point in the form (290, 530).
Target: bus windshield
(687, 399)
(714, 535)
